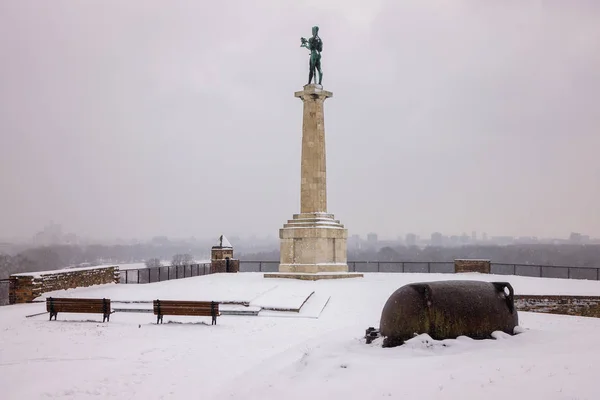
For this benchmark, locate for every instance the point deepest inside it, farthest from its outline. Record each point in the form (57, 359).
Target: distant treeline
(539, 254)
(60, 256)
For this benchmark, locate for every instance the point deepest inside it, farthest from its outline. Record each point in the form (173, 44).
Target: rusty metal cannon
(448, 309)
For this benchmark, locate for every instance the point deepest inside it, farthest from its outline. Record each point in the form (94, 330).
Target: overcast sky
(139, 118)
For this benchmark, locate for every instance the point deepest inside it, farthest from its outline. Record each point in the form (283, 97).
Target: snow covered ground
(269, 357)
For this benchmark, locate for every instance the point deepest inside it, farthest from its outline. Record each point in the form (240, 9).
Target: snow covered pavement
(262, 357)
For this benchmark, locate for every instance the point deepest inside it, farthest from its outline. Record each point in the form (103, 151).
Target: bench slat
(75, 300)
(183, 310)
(187, 303)
(190, 313)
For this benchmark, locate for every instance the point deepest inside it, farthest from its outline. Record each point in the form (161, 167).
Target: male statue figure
(315, 45)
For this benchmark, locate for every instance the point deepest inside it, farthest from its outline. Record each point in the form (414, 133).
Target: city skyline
(53, 233)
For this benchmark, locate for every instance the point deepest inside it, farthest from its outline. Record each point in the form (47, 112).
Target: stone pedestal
(313, 241)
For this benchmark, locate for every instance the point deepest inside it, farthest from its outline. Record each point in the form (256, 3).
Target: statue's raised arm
(315, 45)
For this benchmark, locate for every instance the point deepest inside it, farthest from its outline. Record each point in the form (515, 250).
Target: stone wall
(220, 266)
(582, 306)
(481, 266)
(26, 287)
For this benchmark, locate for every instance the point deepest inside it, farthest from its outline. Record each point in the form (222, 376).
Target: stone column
(313, 241)
(313, 189)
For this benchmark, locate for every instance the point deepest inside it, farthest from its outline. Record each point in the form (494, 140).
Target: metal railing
(160, 274)
(546, 271)
(533, 270)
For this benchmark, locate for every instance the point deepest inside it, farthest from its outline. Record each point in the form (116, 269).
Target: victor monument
(313, 241)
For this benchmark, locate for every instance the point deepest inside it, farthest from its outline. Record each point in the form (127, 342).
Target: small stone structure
(465, 265)
(26, 287)
(222, 258)
(448, 309)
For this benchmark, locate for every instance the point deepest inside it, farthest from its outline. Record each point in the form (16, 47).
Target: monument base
(313, 277)
(313, 243)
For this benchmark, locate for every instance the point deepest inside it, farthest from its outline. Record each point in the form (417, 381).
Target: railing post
(514, 269)
(377, 266)
(159, 274)
(177, 272)
(126, 276)
(260, 266)
(568, 272)
(149, 275)
(541, 272)
(169, 273)
(428, 267)
(402, 266)
(138, 274)
(598, 274)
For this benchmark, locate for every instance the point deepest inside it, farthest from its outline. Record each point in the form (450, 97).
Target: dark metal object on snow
(448, 309)
(371, 334)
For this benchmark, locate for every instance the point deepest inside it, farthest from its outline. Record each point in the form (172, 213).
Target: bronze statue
(315, 45)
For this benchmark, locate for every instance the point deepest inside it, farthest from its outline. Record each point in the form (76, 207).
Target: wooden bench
(191, 308)
(87, 306)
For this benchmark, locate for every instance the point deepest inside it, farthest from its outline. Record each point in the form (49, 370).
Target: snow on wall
(27, 287)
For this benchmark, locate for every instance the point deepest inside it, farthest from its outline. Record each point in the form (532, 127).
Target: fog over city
(145, 118)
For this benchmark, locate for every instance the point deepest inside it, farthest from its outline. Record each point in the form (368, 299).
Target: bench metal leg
(159, 318)
(214, 320)
(53, 315)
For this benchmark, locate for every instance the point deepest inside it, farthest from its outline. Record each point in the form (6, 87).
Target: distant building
(464, 239)
(372, 238)
(579, 238)
(160, 240)
(5, 247)
(502, 240)
(51, 234)
(474, 236)
(411, 239)
(437, 239)
(354, 242)
(527, 240)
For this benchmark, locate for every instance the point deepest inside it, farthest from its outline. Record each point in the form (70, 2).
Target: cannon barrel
(448, 309)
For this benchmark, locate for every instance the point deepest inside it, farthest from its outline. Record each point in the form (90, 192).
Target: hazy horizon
(134, 119)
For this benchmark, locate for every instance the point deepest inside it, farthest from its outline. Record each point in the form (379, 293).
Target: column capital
(312, 91)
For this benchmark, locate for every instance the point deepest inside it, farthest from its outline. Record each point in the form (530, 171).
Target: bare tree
(182, 259)
(153, 263)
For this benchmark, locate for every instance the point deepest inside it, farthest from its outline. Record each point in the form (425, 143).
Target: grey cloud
(132, 119)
